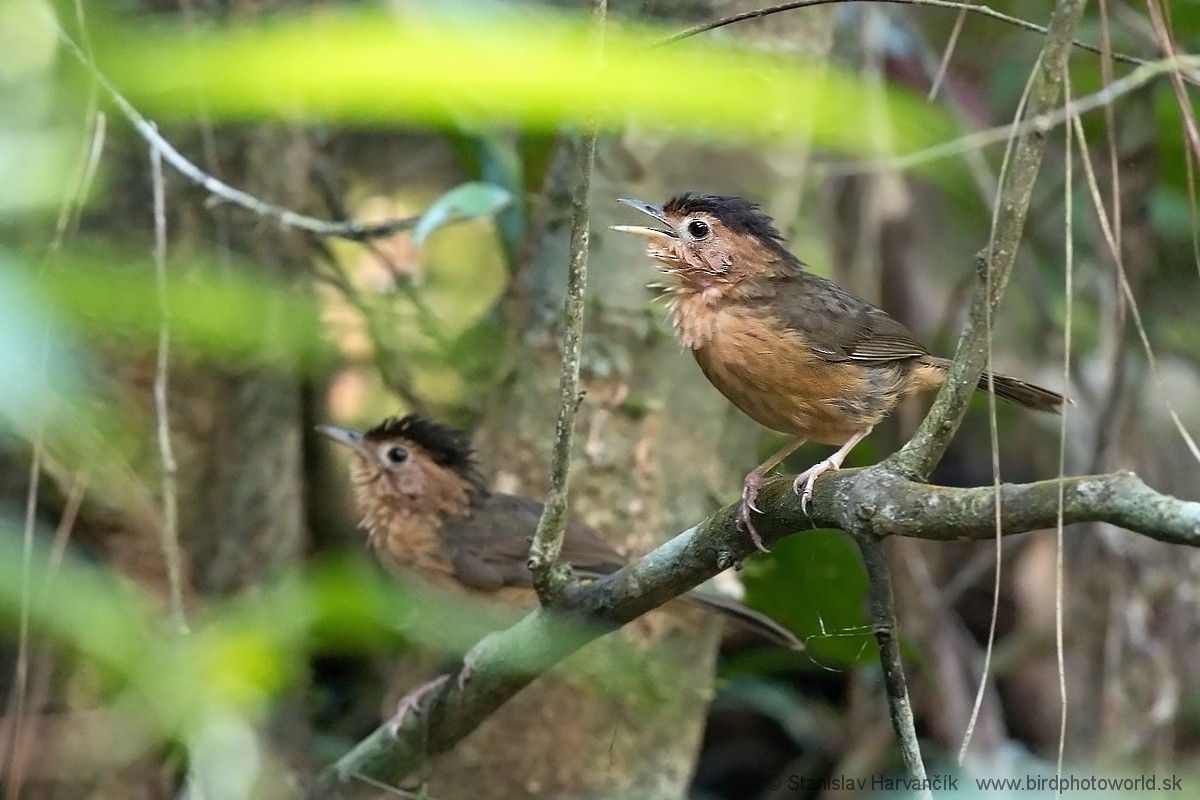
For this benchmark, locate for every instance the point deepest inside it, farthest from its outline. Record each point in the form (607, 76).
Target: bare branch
(883, 625)
(981, 10)
(872, 502)
(918, 457)
(547, 541)
(944, 64)
(353, 230)
(166, 453)
(1163, 32)
(1039, 124)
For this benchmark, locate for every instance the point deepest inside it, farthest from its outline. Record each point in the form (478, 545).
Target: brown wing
(489, 548)
(839, 325)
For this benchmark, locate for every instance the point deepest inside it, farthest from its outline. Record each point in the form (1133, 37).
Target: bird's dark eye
(397, 455)
(698, 228)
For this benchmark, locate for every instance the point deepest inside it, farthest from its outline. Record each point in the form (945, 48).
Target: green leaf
(468, 201)
(815, 584)
(214, 313)
(495, 157)
(538, 72)
(37, 367)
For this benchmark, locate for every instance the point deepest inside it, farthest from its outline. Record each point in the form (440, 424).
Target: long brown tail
(1012, 389)
(756, 621)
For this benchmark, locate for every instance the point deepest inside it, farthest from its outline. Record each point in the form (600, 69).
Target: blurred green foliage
(220, 314)
(537, 72)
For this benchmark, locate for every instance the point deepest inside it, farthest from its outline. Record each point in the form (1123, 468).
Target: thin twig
(1113, 352)
(962, 6)
(21, 673)
(1038, 124)
(91, 147)
(944, 64)
(978, 166)
(1110, 122)
(353, 230)
(1163, 32)
(1060, 657)
(882, 606)
(392, 368)
(1193, 206)
(547, 541)
(166, 454)
(989, 649)
(1106, 227)
(925, 449)
(66, 526)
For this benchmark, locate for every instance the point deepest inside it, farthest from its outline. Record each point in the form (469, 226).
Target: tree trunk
(657, 448)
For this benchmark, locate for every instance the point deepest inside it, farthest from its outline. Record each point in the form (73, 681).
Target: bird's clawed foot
(412, 701)
(803, 485)
(749, 495)
(471, 659)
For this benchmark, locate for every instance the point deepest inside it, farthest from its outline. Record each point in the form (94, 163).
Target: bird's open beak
(350, 438)
(641, 230)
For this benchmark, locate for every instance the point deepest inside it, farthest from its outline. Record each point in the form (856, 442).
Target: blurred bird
(794, 351)
(427, 509)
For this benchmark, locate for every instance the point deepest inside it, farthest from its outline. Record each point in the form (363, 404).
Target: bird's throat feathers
(386, 502)
(694, 304)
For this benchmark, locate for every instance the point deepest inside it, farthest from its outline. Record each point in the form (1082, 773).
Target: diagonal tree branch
(873, 503)
(919, 456)
(354, 230)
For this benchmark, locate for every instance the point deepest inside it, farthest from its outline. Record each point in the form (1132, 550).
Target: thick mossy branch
(872, 502)
(894, 506)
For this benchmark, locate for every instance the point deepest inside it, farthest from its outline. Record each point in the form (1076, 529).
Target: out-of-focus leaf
(225, 757)
(33, 163)
(353, 604)
(494, 158)
(28, 38)
(538, 72)
(82, 606)
(468, 201)
(36, 147)
(35, 368)
(213, 313)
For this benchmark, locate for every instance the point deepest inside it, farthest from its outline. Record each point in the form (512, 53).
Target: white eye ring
(698, 229)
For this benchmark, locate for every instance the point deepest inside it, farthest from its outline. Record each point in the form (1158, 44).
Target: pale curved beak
(347, 437)
(642, 230)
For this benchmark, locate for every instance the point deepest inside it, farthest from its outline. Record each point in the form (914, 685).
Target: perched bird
(794, 351)
(427, 509)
